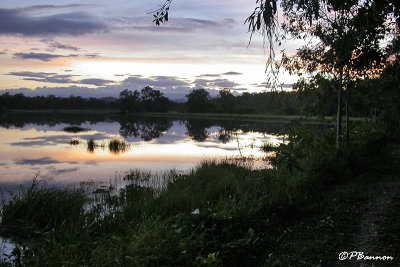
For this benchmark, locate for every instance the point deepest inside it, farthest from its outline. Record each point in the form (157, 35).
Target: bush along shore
(306, 210)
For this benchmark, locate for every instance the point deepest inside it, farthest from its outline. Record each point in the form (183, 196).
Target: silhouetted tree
(153, 100)
(198, 100)
(226, 100)
(346, 34)
(129, 101)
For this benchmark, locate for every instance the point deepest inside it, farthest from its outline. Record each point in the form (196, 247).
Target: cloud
(211, 75)
(40, 56)
(92, 55)
(174, 25)
(173, 87)
(64, 46)
(216, 83)
(39, 161)
(208, 75)
(232, 73)
(97, 82)
(44, 77)
(19, 21)
(49, 7)
(161, 82)
(58, 78)
(161, 29)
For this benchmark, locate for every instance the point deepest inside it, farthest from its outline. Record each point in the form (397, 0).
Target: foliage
(19, 101)
(219, 213)
(226, 101)
(147, 99)
(36, 210)
(198, 100)
(129, 101)
(153, 100)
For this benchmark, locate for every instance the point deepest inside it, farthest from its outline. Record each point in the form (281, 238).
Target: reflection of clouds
(41, 161)
(56, 139)
(223, 147)
(170, 139)
(56, 172)
(91, 163)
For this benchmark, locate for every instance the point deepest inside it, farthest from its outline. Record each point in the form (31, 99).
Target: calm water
(31, 144)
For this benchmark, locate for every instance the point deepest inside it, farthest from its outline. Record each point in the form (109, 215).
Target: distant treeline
(300, 102)
(19, 101)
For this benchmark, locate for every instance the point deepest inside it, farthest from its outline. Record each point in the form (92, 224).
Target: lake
(55, 146)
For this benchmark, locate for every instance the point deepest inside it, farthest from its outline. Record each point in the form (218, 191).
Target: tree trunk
(348, 95)
(347, 116)
(339, 112)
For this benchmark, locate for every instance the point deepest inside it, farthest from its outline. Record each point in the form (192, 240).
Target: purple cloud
(40, 56)
(17, 21)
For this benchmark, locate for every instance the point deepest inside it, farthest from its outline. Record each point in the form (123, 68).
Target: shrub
(38, 209)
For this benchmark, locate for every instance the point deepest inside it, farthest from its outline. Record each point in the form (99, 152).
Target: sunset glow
(66, 48)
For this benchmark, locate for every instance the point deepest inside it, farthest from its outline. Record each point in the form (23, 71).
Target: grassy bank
(305, 211)
(178, 115)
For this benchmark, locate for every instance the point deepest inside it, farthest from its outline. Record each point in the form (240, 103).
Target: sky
(98, 48)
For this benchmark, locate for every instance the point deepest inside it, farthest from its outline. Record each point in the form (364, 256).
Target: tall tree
(129, 101)
(226, 100)
(198, 100)
(345, 39)
(153, 100)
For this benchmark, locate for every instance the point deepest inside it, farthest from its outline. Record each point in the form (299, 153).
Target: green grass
(211, 116)
(36, 210)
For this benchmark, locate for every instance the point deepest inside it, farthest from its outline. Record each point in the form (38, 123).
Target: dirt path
(367, 240)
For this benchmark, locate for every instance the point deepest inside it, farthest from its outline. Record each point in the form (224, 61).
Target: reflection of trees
(196, 129)
(224, 136)
(49, 119)
(145, 128)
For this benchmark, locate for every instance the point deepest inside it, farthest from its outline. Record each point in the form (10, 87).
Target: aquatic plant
(116, 146)
(74, 129)
(74, 142)
(91, 145)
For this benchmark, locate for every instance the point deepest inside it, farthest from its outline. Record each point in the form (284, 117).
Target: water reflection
(39, 143)
(145, 128)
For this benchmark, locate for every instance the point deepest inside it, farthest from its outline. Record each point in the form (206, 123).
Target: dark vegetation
(74, 129)
(304, 211)
(308, 100)
(220, 213)
(51, 102)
